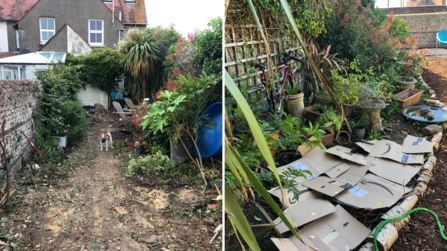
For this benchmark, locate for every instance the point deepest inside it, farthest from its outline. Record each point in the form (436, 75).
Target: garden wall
(17, 103)
(426, 26)
(414, 10)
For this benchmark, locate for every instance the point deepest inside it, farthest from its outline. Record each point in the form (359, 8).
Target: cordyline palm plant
(239, 168)
(325, 62)
(141, 54)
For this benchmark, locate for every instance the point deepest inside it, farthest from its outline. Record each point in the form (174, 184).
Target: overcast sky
(185, 14)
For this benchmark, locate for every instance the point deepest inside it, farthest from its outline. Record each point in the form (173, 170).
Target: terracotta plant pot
(328, 139)
(311, 115)
(274, 135)
(406, 84)
(413, 97)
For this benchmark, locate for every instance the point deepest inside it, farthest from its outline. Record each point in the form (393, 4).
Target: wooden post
(8, 176)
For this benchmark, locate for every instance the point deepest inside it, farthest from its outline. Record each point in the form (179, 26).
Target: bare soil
(422, 233)
(89, 204)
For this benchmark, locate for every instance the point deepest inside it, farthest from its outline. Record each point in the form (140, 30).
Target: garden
(333, 124)
(146, 180)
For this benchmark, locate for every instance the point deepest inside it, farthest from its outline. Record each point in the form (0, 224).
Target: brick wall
(426, 26)
(18, 99)
(415, 9)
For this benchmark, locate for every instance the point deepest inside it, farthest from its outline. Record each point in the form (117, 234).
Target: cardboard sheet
(414, 144)
(336, 231)
(345, 153)
(317, 161)
(305, 194)
(333, 186)
(391, 170)
(305, 212)
(391, 150)
(372, 192)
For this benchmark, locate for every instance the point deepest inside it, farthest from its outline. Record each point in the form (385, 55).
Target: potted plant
(315, 111)
(409, 67)
(408, 97)
(178, 112)
(294, 102)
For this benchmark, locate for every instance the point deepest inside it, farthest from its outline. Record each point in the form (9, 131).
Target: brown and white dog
(105, 138)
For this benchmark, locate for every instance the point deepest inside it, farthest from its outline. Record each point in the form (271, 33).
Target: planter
(328, 139)
(294, 105)
(62, 140)
(184, 133)
(322, 101)
(274, 135)
(178, 151)
(387, 103)
(359, 132)
(311, 115)
(406, 84)
(413, 97)
(372, 108)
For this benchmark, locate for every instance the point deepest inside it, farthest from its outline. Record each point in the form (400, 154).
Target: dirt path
(422, 233)
(80, 211)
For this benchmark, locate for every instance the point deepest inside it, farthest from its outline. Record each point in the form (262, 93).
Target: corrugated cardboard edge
(389, 233)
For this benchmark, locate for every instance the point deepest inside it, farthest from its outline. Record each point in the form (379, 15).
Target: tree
(141, 54)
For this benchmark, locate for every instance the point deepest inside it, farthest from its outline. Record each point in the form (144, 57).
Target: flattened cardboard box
(316, 161)
(414, 144)
(305, 212)
(305, 194)
(336, 231)
(391, 150)
(345, 153)
(391, 170)
(335, 184)
(372, 192)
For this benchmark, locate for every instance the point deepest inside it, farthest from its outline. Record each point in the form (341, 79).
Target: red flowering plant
(369, 36)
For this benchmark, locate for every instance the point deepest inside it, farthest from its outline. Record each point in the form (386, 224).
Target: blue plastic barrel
(209, 136)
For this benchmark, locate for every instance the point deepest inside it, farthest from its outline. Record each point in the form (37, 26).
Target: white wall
(392, 3)
(75, 44)
(3, 37)
(90, 96)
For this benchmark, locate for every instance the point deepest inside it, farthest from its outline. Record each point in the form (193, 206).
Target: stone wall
(17, 103)
(426, 26)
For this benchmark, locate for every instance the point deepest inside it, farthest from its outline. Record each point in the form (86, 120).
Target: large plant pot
(179, 152)
(406, 84)
(408, 98)
(387, 104)
(372, 108)
(322, 101)
(311, 115)
(294, 105)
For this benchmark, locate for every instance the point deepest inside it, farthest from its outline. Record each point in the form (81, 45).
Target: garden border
(390, 232)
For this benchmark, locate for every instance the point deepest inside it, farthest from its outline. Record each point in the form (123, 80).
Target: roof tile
(15, 9)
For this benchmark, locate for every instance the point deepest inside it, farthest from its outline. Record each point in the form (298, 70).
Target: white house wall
(75, 44)
(3, 37)
(90, 96)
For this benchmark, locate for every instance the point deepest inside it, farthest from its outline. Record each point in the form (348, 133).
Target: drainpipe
(3, 74)
(113, 11)
(388, 4)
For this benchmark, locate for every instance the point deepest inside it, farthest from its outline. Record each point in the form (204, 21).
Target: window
(46, 29)
(40, 73)
(96, 32)
(130, 1)
(17, 39)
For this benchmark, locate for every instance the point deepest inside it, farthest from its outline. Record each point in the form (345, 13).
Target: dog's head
(103, 135)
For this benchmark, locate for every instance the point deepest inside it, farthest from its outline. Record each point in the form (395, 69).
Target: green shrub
(74, 120)
(151, 164)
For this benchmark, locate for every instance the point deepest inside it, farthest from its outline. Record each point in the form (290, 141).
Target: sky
(187, 15)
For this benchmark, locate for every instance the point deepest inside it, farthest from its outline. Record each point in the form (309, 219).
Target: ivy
(100, 68)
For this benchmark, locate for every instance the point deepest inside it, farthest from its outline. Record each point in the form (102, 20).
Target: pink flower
(65, 131)
(121, 120)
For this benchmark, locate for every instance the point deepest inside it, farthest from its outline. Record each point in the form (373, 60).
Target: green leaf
(257, 218)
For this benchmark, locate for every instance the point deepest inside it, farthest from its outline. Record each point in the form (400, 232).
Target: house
(60, 25)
